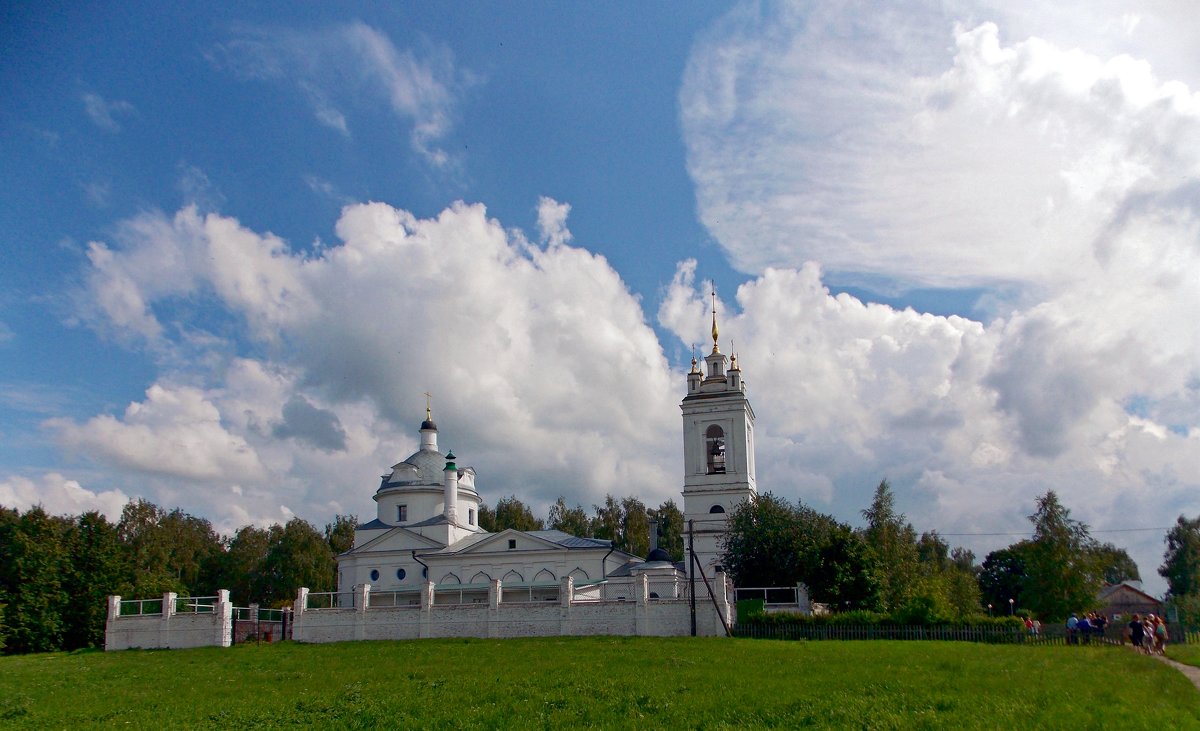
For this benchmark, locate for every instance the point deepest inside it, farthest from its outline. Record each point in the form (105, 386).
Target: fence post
(254, 618)
(164, 620)
(362, 600)
(427, 593)
(114, 613)
(566, 595)
(298, 609)
(495, 599)
(223, 619)
(641, 605)
(803, 604)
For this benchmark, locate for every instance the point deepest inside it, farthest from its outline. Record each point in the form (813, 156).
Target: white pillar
(164, 623)
(641, 588)
(566, 593)
(114, 613)
(641, 608)
(427, 592)
(721, 592)
(298, 608)
(495, 598)
(803, 603)
(362, 600)
(451, 471)
(223, 619)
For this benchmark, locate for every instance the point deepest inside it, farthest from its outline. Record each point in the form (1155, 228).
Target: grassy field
(1187, 654)
(604, 683)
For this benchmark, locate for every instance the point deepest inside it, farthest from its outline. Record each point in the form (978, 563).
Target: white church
(427, 519)
(424, 568)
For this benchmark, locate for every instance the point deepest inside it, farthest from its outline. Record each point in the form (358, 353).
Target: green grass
(1186, 654)
(601, 682)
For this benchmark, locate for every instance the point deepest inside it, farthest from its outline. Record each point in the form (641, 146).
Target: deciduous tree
(572, 521)
(635, 527)
(771, 542)
(1061, 575)
(97, 568)
(893, 546)
(340, 533)
(670, 529)
(1181, 562)
(509, 513)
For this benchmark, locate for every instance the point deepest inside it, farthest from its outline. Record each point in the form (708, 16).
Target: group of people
(1081, 629)
(1147, 634)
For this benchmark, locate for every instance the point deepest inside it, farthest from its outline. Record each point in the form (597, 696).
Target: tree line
(56, 572)
(625, 522)
(887, 567)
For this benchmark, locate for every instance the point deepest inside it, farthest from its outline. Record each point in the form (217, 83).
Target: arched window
(545, 575)
(579, 573)
(480, 578)
(714, 447)
(716, 509)
(450, 580)
(512, 577)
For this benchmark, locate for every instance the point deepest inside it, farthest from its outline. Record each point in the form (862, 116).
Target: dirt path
(1192, 673)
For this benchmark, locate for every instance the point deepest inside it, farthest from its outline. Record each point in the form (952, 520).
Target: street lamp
(1010, 607)
(989, 610)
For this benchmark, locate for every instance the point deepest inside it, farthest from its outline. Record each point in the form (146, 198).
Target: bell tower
(718, 449)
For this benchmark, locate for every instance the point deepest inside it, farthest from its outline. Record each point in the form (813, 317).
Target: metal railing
(402, 598)
(531, 593)
(258, 614)
(661, 591)
(195, 604)
(609, 590)
(771, 595)
(452, 594)
(330, 600)
(141, 607)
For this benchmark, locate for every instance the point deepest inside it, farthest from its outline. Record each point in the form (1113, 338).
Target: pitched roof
(1135, 586)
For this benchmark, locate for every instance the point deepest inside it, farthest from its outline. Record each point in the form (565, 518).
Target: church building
(427, 521)
(718, 451)
(427, 528)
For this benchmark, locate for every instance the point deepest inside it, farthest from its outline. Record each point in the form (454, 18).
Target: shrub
(913, 614)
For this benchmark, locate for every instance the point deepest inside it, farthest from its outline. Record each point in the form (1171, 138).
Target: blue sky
(955, 244)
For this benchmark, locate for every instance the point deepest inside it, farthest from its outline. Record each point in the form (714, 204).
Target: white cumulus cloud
(59, 495)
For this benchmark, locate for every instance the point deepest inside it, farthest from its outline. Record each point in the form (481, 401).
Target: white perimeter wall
(169, 629)
(641, 615)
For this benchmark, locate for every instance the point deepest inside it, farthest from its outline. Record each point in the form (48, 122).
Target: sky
(955, 244)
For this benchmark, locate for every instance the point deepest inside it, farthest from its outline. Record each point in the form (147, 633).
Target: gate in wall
(257, 624)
